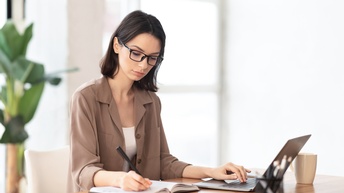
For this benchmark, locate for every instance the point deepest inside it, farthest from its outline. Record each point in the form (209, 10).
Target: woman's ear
(116, 45)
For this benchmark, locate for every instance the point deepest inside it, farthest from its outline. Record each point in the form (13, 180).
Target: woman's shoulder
(153, 95)
(92, 88)
(91, 84)
(147, 95)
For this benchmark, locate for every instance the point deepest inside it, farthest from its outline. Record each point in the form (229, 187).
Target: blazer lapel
(141, 99)
(104, 95)
(113, 110)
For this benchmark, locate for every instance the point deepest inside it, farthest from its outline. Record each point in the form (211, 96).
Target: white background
(285, 79)
(283, 71)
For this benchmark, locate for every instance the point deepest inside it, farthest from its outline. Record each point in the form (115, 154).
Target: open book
(156, 187)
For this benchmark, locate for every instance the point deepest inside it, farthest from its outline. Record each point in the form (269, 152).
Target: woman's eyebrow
(140, 49)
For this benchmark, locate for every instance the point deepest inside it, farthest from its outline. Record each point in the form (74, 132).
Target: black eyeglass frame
(158, 60)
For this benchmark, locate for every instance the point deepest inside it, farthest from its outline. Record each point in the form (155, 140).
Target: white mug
(304, 168)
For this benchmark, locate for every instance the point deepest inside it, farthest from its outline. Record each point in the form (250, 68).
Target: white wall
(48, 129)
(85, 33)
(285, 78)
(283, 65)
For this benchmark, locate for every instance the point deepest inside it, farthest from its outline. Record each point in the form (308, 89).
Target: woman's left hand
(230, 171)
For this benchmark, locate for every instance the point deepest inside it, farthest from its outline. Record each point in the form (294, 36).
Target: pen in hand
(124, 156)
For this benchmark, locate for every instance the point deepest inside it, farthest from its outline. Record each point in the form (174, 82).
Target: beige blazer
(96, 131)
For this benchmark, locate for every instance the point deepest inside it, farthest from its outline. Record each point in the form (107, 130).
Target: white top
(130, 144)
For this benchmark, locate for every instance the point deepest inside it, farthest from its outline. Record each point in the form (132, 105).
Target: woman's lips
(140, 74)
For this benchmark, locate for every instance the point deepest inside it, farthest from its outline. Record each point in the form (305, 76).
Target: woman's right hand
(132, 181)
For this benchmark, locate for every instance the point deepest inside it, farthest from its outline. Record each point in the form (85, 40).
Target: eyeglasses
(138, 56)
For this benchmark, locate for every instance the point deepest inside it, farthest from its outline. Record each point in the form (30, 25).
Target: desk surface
(322, 184)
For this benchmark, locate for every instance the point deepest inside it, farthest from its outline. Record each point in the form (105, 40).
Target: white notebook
(157, 186)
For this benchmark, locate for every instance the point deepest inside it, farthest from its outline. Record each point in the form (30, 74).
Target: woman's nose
(144, 63)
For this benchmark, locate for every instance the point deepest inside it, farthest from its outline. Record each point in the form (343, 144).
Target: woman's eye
(135, 53)
(153, 58)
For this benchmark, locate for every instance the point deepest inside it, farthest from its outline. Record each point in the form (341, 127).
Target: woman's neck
(120, 89)
(123, 95)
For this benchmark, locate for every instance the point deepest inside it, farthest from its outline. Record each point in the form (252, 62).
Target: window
(112, 18)
(188, 77)
(3, 13)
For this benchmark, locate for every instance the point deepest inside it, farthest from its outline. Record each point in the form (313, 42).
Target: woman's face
(141, 45)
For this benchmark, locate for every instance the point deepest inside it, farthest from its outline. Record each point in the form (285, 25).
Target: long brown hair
(135, 23)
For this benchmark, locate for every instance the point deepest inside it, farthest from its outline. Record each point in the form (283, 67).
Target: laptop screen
(289, 151)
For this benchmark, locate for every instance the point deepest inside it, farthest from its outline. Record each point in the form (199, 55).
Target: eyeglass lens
(138, 57)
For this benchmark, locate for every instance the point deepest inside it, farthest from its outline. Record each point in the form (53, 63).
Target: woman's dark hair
(135, 23)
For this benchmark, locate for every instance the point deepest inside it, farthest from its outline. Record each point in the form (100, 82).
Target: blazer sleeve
(85, 160)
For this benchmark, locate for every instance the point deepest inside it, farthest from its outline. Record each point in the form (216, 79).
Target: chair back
(46, 171)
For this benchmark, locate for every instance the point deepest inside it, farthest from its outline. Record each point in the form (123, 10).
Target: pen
(124, 156)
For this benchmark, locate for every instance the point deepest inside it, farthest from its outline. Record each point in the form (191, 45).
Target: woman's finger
(134, 182)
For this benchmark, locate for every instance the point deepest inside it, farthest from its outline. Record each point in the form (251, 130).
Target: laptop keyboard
(251, 182)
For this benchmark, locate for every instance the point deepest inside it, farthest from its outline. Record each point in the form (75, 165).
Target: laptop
(290, 149)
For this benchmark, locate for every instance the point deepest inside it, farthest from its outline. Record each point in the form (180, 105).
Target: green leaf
(5, 64)
(2, 118)
(14, 131)
(54, 80)
(3, 44)
(37, 74)
(28, 71)
(16, 42)
(29, 102)
(26, 39)
(3, 94)
(24, 85)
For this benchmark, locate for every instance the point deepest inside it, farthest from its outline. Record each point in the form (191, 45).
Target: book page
(184, 188)
(156, 187)
(162, 186)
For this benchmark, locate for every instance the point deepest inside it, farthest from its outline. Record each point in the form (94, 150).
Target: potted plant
(23, 84)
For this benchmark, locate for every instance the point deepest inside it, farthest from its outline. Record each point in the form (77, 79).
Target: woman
(121, 109)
